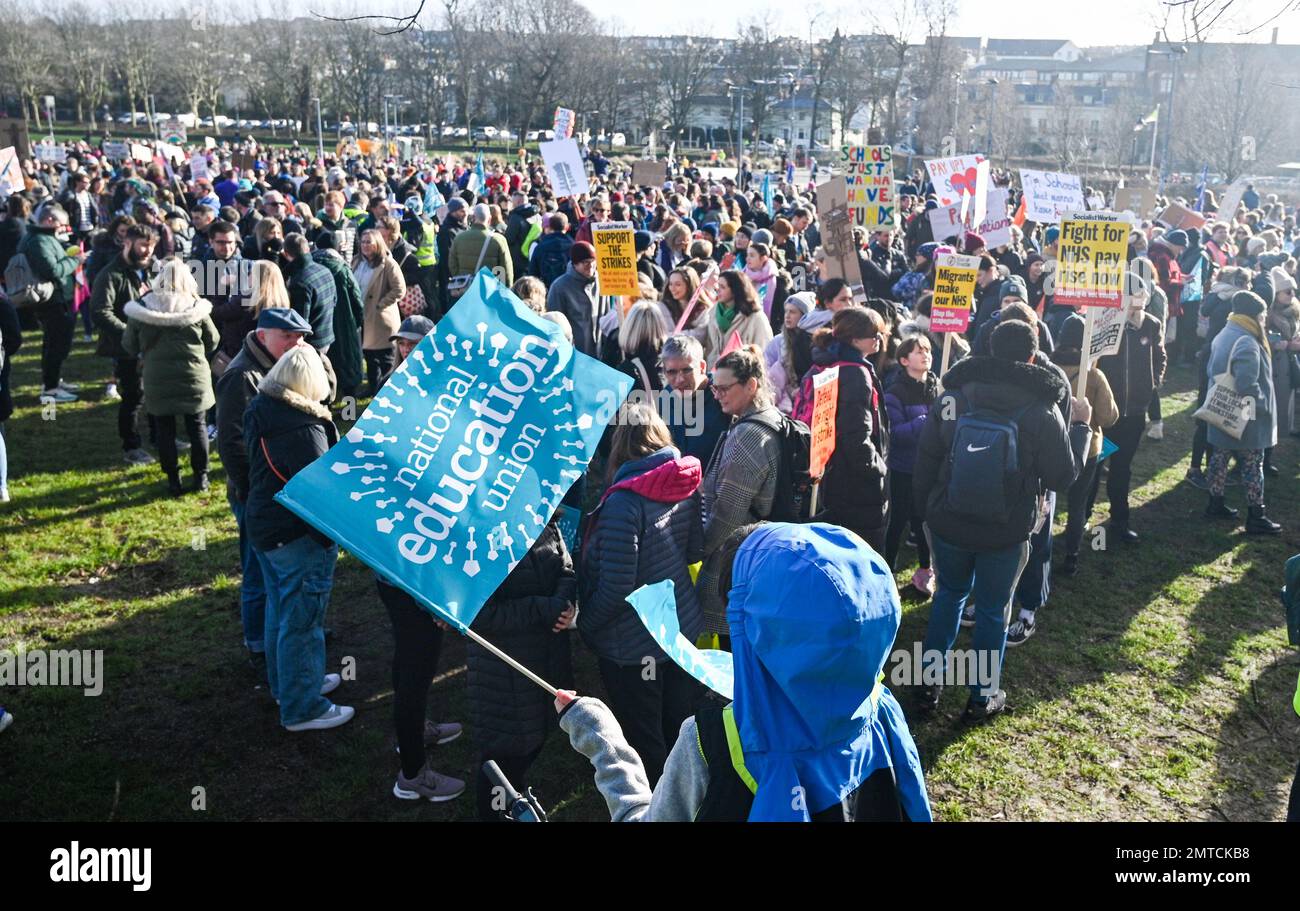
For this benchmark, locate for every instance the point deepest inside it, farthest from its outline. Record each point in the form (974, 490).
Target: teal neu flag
(456, 466)
(656, 605)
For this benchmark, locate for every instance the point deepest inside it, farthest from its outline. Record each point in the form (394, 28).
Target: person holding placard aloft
(1134, 373)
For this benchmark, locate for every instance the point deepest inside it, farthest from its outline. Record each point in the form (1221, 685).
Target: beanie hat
(581, 252)
(1013, 287)
(805, 301)
(762, 236)
(1282, 280)
(1051, 234)
(972, 242)
(1247, 303)
(642, 240)
(1176, 237)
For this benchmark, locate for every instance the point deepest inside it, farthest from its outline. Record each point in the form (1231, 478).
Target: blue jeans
(252, 590)
(299, 576)
(990, 577)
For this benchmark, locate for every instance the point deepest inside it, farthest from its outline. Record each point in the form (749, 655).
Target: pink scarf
(765, 283)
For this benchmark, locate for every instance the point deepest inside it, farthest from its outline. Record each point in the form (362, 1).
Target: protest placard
(1105, 330)
(1138, 200)
(954, 178)
(454, 469)
(1179, 216)
(209, 142)
(11, 172)
(1091, 260)
(13, 133)
(1230, 199)
(826, 387)
(173, 131)
(841, 253)
(564, 121)
(649, 173)
(49, 153)
(564, 166)
(116, 150)
(172, 154)
(869, 173)
(945, 221)
(954, 289)
(243, 161)
(198, 167)
(615, 258)
(1050, 195)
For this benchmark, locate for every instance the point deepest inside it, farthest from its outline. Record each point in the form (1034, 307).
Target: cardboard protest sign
(1104, 331)
(945, 221)
(1230, 199)
(1050, 195)
(837, 232)
(141, 153)
(1138, 200)
(869, 172)
(209, 142)
(173, 154)
(173, 131)
(1178, 216)
(51, 154)
(826, 388)
(243, 161)
(13, 133)
(649, 173)
(615, 258)
(198, 167)
(656, 605)
(1091, 260)
(954, 178)
(456, 466)
(11, 172)
(954, 291)
(564, 167)
(564, 121)
(115, 150)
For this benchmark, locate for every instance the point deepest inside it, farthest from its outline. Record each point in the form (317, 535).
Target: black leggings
(1201, 449)
(58, 326)
(1126, 433)
(197, 432)
(417, 641)
(1077, 505)
(650, 711)
(515, 768)
(378, 363)
(901, 514)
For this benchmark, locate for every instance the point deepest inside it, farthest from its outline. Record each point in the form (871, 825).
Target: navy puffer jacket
(648, 528)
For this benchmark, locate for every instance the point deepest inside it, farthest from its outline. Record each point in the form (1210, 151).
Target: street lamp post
(1177, 54)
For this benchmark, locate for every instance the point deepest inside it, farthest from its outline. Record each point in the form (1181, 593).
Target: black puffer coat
(511, 715)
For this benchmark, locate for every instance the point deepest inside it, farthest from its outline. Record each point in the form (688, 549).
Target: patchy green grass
(1158, 685)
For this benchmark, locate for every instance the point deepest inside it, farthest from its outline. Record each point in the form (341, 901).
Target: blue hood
(811, 627)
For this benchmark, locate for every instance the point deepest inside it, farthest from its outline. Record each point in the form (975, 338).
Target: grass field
(1158, 686)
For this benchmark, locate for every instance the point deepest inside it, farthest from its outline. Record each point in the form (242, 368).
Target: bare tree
(758, 62)
(684, 71)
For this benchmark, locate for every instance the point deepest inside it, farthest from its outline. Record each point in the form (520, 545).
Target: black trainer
(1216, 510)
(1070, 565)
(927, 700)
(983, 711)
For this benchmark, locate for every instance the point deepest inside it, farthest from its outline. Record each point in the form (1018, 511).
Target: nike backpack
(984, 465)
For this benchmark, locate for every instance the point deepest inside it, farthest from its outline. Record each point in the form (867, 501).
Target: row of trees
(511, 62)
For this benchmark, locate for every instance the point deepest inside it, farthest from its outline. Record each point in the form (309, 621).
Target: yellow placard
(615, 259)
(1092, 253)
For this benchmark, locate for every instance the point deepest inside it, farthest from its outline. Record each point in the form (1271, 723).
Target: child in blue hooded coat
(813, 734)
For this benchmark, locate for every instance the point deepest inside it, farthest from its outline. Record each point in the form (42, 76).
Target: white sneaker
(6, 719)
(69, 387)
(110, 392)
(4, 494)
(137, 457)
(58, 396)
(333, 717)
(182, 445)
(1156, 431)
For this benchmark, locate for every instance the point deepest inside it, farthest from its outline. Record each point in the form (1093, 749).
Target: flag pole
(511, 661)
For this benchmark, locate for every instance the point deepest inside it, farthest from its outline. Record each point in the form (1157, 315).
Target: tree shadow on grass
(1257, 749)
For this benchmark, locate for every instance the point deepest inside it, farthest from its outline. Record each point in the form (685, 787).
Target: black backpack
(792, 500)
(552, 261)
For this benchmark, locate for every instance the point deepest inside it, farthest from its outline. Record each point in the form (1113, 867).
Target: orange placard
(826, 389)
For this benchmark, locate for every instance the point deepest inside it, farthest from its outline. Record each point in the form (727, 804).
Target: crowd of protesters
(234, 310)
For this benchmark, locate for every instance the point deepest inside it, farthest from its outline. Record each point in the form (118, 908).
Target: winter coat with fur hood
(1049, 452)
(174, 336)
